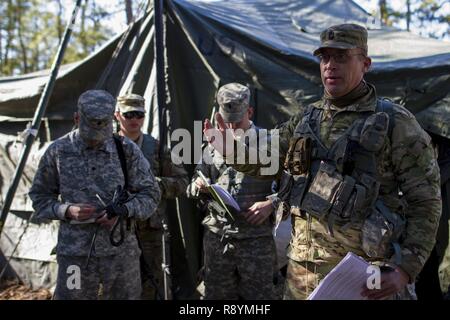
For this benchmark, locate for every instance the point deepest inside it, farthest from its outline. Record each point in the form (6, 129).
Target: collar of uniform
(364, 104)
(107, 146)
(139, 141)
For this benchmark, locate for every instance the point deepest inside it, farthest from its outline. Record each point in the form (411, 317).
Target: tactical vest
(150, 150)
(338, 185)
(246, 190)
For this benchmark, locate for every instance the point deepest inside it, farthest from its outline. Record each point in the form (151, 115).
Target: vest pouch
(284, 193)
(354, 207)
(374, 131)
(299, 184)
(216, 209)
(286, 182)
(381, 233)
(322, 192)
(298, 158)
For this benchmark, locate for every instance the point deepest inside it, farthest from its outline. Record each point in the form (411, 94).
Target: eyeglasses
(134, 114)
(338, 57)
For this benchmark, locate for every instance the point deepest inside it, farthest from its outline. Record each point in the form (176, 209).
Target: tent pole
(40, 111)
(158, 7)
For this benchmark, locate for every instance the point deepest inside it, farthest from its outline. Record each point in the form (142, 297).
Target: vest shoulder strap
(387, 106)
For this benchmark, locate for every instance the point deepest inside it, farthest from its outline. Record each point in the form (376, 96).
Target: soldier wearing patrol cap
(172, 179)
(358, 175)
(75, 183)
(239, 254)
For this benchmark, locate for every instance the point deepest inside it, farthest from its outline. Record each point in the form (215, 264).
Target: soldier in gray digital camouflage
(358, 174)
(239, 254)
(172, 179)
(95, 183)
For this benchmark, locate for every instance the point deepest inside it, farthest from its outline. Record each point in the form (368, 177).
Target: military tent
(265, 44)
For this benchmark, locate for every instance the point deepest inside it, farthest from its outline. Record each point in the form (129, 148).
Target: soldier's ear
(76, 118)
(250, 112)
(367, 64)
(116, 115)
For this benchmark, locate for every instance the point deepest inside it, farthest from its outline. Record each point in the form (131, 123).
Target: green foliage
(422, 13)
(30, 32)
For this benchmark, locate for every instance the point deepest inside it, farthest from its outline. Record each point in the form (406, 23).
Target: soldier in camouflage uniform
(172, 180)
(355, 167)
(75, 183)
(239, 255)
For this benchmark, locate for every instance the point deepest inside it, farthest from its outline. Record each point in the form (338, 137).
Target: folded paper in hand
(222, 196)
(345, 282)
(90, 220)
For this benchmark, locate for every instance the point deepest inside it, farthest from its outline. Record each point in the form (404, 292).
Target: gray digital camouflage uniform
(70, 172)
(239, 258)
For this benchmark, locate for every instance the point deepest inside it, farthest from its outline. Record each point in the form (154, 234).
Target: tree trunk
(83, 26)
(9, 33)
(408, 14)
(59, 22)
(129, 11)
(23, 48)
(383, 11)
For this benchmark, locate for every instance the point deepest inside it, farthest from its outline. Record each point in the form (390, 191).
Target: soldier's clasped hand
(80, 211)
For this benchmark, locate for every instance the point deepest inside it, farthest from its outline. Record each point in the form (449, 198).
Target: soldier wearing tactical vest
(358, 174)
(172, 179)
(239, 254)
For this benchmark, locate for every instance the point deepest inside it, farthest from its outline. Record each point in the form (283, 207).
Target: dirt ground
(14, 291)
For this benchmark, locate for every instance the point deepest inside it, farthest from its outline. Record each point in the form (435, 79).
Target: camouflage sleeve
(44, 191)
(208, 171)
(174, 178)
(417, 173)
(277, 146)
(142, 183)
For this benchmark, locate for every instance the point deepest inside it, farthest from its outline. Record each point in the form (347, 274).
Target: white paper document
(345, 282)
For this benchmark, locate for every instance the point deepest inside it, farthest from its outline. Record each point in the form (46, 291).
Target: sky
(371, 6)
(117, 21)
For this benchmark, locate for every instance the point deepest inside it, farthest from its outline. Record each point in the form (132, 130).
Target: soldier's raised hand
(221, 138)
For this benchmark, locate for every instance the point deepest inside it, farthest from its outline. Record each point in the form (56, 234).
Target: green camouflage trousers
(108, 278)
(245, 270)
(150, 239)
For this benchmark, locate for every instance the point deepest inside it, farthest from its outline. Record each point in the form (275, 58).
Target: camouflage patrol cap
(343, 36)
(96, 110)
(233, 99)
(130, 102)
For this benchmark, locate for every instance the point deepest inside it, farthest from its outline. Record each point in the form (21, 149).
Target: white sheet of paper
(226, 197)
(345, 281)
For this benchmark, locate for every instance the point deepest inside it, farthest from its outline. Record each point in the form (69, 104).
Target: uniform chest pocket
(71, 168)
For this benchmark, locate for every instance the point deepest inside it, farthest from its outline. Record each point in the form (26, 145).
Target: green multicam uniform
(406, 163)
